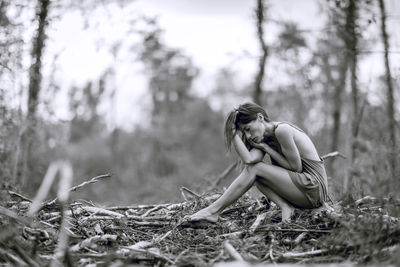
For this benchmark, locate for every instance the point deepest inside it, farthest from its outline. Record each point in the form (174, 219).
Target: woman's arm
(281, 160)
(291, 157)
(248, 157)
(285, 136)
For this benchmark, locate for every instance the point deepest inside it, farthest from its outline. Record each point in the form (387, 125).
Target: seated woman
(280, 160)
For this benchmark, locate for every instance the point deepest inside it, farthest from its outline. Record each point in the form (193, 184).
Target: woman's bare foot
(203, 215)
(287, 213)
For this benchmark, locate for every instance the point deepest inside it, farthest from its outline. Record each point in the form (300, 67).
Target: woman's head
(242, 116)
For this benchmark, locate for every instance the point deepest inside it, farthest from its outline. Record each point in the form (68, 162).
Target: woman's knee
(262, 172)
(254, 169)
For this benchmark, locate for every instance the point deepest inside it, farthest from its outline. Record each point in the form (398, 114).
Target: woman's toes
(202, 216)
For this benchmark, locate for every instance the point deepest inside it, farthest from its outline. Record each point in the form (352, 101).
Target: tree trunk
(337, 110)
(351, 48)
(390, 96)
(260, 12)
(35, 77)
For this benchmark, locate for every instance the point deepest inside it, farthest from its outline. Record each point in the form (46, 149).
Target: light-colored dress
(312, 180)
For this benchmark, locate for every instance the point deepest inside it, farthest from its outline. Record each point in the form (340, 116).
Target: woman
(280, 159)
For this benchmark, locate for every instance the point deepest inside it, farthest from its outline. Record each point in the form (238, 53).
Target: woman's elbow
(251, 160)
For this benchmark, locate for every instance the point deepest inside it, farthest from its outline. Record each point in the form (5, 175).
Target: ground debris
(249, 231)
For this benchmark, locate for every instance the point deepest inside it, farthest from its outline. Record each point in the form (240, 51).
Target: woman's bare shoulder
(283, 130)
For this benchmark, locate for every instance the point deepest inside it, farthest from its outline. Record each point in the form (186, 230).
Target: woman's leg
(273, 180)
(286, 208)
(239, 186)
(278, 180)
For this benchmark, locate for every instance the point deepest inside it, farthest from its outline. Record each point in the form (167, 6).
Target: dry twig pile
(249, 231)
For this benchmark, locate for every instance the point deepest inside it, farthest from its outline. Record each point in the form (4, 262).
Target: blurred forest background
(177, 139)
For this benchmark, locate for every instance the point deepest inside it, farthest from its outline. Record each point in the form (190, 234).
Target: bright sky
(215, 33)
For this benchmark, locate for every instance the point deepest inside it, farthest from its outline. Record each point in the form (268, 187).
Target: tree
(351, 47)
(35, 77)
(260, 14)
(171, 75)
(390, 93)
(10, 40)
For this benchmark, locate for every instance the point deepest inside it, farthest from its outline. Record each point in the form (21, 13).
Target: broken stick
(91, 181)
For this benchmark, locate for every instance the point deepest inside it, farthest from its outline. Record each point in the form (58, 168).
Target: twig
(180, 256)
(289, 255)
(102, 211)
(161, 238)
(151, 210)
(293, 230)
(157, 255)
(36, 232)
(238, 234)
(187, 190)
(152, 223)
(89, 241)
(260, 218)
(13, 215)
(300, 238)
(333, 154)
(12, 257)
(154, 218)
(271, 245)
(15, 194)
(232, 251)
(375, 200)
(24, 256)
(91, 181)
(222, 176)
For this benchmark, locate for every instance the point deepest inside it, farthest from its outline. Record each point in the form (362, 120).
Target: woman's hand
(262, 146)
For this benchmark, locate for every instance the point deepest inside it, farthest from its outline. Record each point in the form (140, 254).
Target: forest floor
(249, 233)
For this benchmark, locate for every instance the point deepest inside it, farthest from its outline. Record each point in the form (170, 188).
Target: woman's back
(303, 142)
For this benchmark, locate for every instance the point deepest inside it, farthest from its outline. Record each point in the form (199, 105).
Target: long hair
(244, 114)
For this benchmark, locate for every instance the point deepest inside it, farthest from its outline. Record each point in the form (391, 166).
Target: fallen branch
(13, 215)
(152, 218)
(187, 190)
(23, 254)
(225, 173)
(91, 181)
(161, 238)
(267, 228)
(300, 238)
(15, 194)
(13, 259)
(152, 253)
(260, 219)
(291, 255)
(102, 211)
(375, 200)
(151, 210)
(88, 242)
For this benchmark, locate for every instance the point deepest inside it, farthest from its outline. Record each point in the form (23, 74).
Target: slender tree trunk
(390, 96)
(260, 12)
(337, 110)
(35, 78)
(351, 48)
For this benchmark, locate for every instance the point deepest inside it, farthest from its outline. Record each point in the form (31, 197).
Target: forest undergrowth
(81, 233)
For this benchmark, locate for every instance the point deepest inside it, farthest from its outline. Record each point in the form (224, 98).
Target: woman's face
(254, 130)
